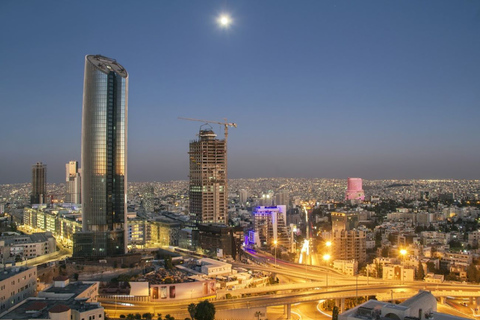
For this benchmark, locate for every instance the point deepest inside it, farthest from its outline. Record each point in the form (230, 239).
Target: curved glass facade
(104, 158)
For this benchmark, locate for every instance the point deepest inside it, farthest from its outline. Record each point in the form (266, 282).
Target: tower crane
(225, 124)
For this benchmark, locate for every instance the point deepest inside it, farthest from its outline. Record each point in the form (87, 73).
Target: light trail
(298, 314)
(320, 310)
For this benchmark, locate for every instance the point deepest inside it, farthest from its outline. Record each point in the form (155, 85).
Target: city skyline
(318, 89)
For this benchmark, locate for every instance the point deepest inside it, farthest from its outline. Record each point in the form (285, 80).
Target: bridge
(284, 296)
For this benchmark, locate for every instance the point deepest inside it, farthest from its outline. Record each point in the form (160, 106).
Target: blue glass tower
(104, 159)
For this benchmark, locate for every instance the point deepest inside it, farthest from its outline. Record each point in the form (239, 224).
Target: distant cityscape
(101, 246)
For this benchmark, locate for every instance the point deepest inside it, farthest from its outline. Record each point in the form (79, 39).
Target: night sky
(332, 89)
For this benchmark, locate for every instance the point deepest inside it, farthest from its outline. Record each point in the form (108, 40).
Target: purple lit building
(354, 189)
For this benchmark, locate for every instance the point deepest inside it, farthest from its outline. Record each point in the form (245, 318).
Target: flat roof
(74, 288)
(39, 308)
(10, 272)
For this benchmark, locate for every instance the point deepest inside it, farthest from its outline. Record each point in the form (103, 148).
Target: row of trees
(204, 310)
(146, 316)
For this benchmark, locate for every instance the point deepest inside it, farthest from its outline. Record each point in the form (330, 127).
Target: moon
(224, 21)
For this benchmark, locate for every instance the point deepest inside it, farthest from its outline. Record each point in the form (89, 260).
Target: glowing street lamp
(403, 252)
(326, 257)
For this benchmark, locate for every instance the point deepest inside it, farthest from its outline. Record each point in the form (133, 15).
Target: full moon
(224, 21)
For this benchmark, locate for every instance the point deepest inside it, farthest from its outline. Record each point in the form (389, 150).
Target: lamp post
(326, 257)
(403, 252)
(275, 244)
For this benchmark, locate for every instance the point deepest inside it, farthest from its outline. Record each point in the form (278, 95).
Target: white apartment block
(16, 284)
(28, 246)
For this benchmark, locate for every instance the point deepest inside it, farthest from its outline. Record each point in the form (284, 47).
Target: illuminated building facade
(104, 159)
(208, 184)
(347, 244)
(344, 221)
(63, 223)
(270, 225)
(354, 189)
(153, 233)
(39, 183)
(72, 177)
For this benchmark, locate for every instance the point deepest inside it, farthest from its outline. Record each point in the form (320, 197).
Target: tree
(472, 273)
(385, 252)
(430, 266)
(169, 317)
(455, 244)
(335, 313)
(379, 270)
(378, 239)
(192, 308)
(205, 311)
(147, 316)
(420, 272)
(168, 263)
(75, 276)
(138, 316)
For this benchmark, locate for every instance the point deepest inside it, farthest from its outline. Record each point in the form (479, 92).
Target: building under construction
(208, 178)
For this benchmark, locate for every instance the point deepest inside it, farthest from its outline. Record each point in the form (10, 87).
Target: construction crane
(225, 124)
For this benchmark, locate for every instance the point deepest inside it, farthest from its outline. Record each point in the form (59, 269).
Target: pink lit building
(354, 189)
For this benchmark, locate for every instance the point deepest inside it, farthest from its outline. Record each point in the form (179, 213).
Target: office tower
(347, 242)
(270, 225)
(208, 172)
(282, 198)
(243, 195)
(72, 177)
(354, 189)
(348, 245)
(266, 200)
(39, 183)
(104, 159)
(344, 221)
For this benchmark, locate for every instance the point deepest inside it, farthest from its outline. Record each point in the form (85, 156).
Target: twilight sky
(374, 89)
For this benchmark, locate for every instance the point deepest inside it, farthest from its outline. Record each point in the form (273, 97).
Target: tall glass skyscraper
(104, 159)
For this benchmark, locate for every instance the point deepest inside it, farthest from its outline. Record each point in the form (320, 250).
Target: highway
(304, 296)
(282, 298)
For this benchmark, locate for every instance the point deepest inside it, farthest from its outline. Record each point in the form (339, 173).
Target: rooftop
(107, 65)
(9, 272)
(74, 288)
(39, 308)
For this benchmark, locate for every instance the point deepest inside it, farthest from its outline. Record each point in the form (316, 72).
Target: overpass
(284, 297)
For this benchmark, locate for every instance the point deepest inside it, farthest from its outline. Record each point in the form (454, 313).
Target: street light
(326, 257)
(403, 252)
(275, 244)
